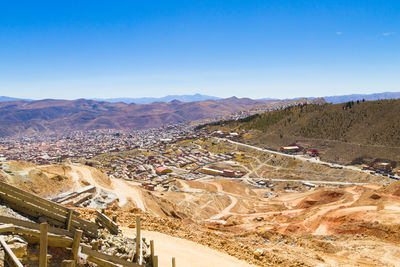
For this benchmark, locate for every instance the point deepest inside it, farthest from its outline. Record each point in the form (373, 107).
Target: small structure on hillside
(290, 149)
(219, 133)
(313, 152)
(149, 186)
(383, 166)
(211, 171)
(229, 173)
(163, 170)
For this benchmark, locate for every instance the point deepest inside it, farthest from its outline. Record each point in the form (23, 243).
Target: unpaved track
(227, 210)
(123, 189)
(126, 191)
(186, 253)
(300, 157)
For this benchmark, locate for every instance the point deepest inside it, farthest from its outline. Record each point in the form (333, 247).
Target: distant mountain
(50, 115)
(347, 98)
(7, 99)
(367, 97)
(200, 97)
(168, 98)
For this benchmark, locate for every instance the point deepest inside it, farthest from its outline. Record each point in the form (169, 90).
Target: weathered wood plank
(35, 226)
(33, 198)
(138, 241)
(37, 211)
(43, 203)
(76, 243)
(43, 245)
(69, 220)
(102, 263)
(155, 261)
(107, 223)
(152, 251)
(96, 254)
(53, 241)
(14, 260)
(33, 237)
(86, 189)
(67, 263)
(81, 198)
(6, 228)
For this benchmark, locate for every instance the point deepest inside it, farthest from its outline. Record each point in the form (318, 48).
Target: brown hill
(49, 115)
(353, 131)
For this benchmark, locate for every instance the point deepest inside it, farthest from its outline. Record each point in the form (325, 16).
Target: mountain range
(200, 97)
(367, 97)
(8, 99)
(168, 98)
(49, 115)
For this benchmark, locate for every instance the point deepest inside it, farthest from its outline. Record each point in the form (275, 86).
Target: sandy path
(227, 210)
(120, 187)
(324, 211)
(186, 253)
(75, 176)
(126, 191)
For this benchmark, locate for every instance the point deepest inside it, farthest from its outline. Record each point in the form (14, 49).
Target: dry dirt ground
(186, 253)
(325, 226)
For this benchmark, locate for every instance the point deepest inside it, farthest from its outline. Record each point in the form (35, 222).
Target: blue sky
(101, 49)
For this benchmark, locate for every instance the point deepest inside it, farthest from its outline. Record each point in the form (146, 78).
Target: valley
(213, 189)
(278, 203)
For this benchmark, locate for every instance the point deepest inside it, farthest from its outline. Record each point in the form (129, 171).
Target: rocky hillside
(375, 122)
(345, 131)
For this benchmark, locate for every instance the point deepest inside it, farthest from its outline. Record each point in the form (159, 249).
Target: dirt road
(300, 157)
(123, 189)
(186, 253)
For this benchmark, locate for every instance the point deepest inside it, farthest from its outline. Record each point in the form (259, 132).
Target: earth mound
(320, 198)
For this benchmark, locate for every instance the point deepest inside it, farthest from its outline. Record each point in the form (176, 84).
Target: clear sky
(101, 49)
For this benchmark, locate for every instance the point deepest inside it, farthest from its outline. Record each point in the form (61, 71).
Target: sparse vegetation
(374, 122)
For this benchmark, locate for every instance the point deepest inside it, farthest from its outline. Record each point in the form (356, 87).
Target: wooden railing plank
(107, 223)
(43, 244)
(96, 254)
(34, 226)
(33, 237)
(102, 263)
(14, 260)
(34, 198)
(30, 204)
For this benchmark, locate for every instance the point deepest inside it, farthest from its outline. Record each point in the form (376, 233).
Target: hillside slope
(373, 128)
(375, 122)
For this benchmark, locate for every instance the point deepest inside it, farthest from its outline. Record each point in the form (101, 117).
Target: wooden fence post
(152, 250)
(173, 262)
(95, 245)
(76, 243)
(67, 263)
(69, 219)
(155, 263)
(138, 240)
(43, 244)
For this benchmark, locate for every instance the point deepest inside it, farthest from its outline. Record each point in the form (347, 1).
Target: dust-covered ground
(325, 225)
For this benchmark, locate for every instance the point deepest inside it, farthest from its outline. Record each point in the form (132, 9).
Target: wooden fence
(35, 206)
(111, 226)
(47, 235)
